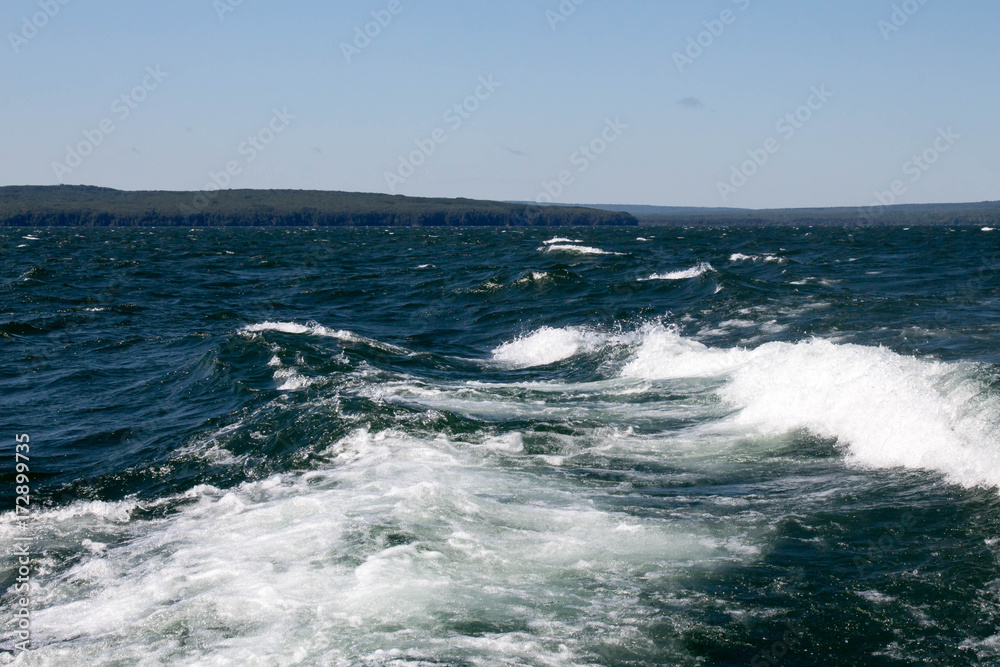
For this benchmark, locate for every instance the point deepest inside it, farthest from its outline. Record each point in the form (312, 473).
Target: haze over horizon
(496, 102)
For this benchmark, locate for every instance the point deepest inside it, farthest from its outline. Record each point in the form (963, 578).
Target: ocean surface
(649, 446)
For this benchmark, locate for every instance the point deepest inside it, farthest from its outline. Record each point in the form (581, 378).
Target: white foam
(889, 410)
(988, 229)
(547, 346)
(665, 354)
(768, 257)
(318, 331)
(533, 277)
(291, 380)
(986, 649)
(560, 239)
(576, 250)
(512, 443)
(886, 409)
(325, 567)
(298, 329)
(693, 272)
(876, 597)
(81, 513)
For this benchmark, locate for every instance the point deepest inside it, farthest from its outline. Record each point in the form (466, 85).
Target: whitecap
(291, 380)
(576, 250)
(318, 331)
(547, 346)
(533, 277)
(693, 272)
(767, 257)
(887, 410)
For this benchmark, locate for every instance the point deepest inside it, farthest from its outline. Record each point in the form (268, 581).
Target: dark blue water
(492, 447)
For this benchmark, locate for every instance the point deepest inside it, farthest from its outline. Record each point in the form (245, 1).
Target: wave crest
(693, 272)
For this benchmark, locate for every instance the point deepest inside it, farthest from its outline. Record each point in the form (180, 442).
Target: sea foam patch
(395, 532)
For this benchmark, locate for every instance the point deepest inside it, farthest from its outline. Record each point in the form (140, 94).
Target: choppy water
(505, 447)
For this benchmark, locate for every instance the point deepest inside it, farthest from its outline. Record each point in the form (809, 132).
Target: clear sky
(658, 129)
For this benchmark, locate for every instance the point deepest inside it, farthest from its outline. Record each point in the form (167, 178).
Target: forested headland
(87, 206)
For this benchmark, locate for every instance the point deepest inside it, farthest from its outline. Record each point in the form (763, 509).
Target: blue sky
(555, 88)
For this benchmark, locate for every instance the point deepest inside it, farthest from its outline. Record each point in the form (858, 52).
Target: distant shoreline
(901, 215)
(88, 206)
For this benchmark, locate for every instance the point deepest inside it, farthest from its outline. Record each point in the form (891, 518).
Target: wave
(291, 380)
(319, 331)
(533, 277)
(547, 346)
(740, 257)
(560, 239)
(576, 250)
(887, 410)
(397, 531)
(693, 272)
(663, 354)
